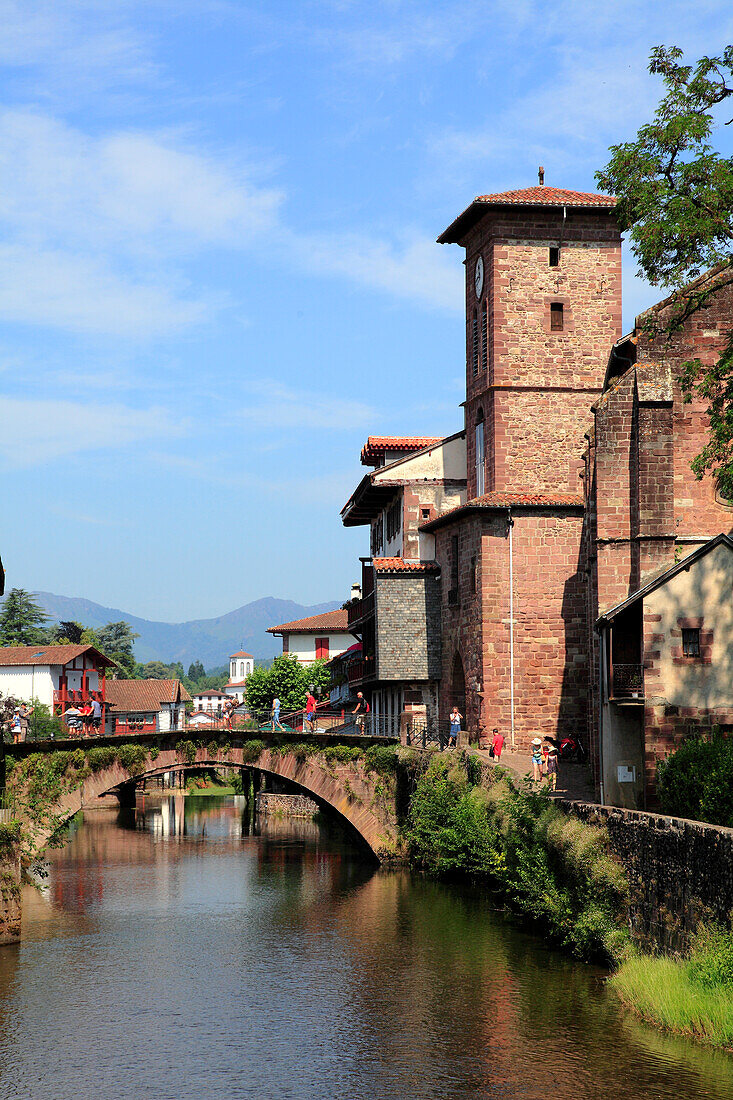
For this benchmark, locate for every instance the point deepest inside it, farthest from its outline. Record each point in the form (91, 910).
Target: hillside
(207, 640)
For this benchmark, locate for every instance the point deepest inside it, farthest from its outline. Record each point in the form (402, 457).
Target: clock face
(478, 276)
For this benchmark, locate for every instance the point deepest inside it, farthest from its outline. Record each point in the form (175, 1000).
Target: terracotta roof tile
(399, 565)
(48, 654)
(241, 653)
(509, 499)
(376, 445)
(548, 196)
(144, 695)
(331, 621)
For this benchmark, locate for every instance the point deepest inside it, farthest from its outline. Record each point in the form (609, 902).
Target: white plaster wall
(445, 460)
(27, 682)
(704, 590)
(303, 646)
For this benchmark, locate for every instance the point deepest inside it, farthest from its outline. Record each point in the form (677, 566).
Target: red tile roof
(376, 445)
(525, 196)
(210, 693)
(503, 500)
(240, 654)
(144, 695)
(334, 622)
(399, 565)
(49, 655)
(548, 196)
(235, 683)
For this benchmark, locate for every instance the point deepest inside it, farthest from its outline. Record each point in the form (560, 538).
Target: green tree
(69, 631)
(196, 671)
(675, 198)
(21, 620)
(288, 680)
(116, 641)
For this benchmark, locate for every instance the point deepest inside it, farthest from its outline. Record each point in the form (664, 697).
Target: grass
(205, 792)
(691, 997)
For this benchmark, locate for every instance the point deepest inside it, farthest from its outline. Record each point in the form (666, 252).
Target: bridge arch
(350, 791)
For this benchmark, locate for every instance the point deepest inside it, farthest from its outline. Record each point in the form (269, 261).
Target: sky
(218, 268)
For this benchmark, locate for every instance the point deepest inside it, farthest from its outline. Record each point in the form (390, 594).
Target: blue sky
(217, 262)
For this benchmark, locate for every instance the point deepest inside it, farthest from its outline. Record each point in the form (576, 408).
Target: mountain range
(208, 640)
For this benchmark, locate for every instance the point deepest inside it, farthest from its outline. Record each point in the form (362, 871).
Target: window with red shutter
(321, 649)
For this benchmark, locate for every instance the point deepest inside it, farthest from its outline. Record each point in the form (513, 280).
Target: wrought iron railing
(627, 681)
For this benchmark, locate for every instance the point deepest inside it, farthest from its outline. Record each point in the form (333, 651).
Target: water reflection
(182, 948)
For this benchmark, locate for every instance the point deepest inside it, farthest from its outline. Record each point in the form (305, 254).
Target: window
(556, 317)
(480, 453)
(554, 257)
(484, 337)
(474, 343)
(691, 641)
(377, 537)
(425, 513)
(321, 649)
(394, 519)
(473, 574)
(286, 643)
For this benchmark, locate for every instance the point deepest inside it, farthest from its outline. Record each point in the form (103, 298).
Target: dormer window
(556, 317)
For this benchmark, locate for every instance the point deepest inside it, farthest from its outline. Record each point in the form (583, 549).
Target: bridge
(353, 776)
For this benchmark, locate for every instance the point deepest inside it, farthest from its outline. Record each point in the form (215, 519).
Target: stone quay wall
(289, 805)
(680, 872)
(10, 900)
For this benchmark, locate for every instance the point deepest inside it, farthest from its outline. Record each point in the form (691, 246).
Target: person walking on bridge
(310, 711)
(275, 715)
(360, 710)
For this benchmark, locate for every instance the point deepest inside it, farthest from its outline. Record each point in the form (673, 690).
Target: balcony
(360, 671)
(627, 683)
(359, 610)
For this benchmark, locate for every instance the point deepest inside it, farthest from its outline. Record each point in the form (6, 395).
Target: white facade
(209, 701)
(28, 682)
(241, 666)
(303, 646)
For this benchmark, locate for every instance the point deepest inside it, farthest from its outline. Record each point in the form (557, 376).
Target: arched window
(479, 452)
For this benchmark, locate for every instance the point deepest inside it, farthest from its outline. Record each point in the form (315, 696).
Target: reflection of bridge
(339, 773)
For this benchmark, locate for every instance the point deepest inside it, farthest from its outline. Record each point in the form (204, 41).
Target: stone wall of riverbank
(680, 872)
(289, 805)
(9, 900)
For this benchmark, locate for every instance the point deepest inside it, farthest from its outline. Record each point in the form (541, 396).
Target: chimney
(541, 176)
(355, 591)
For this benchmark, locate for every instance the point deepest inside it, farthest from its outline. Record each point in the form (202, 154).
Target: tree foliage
(675, 198)
(116, 641)
(21, 619)
(287, 679)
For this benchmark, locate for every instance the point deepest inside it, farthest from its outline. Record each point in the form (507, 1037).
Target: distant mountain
(208, 640)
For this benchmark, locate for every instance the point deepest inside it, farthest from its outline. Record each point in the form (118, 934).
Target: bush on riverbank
(691, 997)
(696, 781)
(550, 866)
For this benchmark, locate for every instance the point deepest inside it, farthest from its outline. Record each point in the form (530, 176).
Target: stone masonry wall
(290, 805)
(9, 900)
(680, 872)
(408, 635)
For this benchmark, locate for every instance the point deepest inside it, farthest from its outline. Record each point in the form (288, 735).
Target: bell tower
(543, 308)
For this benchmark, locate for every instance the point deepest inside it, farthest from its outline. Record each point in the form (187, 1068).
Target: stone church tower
(543, 307)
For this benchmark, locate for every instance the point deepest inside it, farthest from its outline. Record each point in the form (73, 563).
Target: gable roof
(209, 693)
(664, 576)
(334, 622)
(525, 196)
(144, 695)
(50, 655)
(241, 653)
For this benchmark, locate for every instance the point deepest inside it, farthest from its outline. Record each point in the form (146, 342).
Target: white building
(316, 638)
(56, 675)
(240, 666)
(211, 701)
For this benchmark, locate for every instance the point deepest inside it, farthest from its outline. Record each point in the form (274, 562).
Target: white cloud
(40, 431)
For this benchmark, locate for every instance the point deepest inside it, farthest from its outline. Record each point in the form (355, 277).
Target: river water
(173, 953)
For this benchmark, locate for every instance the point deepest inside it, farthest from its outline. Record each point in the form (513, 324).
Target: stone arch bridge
(339, 774)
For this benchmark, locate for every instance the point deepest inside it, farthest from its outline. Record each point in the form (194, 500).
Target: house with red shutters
(145, 706)
(56, 675)
(316, 637)
(536, 576)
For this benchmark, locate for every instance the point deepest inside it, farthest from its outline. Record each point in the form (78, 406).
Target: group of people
(84, 718)
(309, 718)
(497, 739)
(544, 762)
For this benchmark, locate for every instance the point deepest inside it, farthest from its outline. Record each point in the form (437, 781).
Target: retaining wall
(10, 900)
(290, 805)
(680, 872)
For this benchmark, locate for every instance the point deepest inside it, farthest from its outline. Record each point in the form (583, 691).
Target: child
(552, 770)
(537, 759)
(497, 744)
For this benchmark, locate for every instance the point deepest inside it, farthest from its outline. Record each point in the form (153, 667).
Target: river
(172, 953)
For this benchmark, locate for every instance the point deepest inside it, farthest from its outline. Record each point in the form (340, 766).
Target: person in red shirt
(310, 712)
(497, 744)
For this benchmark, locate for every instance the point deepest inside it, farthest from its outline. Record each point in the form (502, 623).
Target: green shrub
(696, 781)
(381, 759)
(711, 958)
(550, 866)
(101, 757)
(187, 750)
(252, 750)
(342, 754)
(132, 757)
